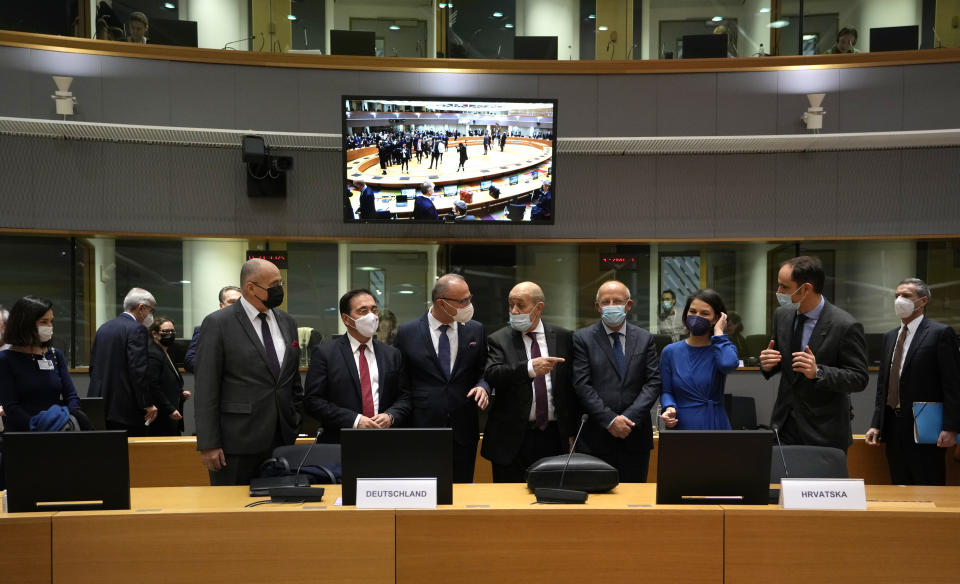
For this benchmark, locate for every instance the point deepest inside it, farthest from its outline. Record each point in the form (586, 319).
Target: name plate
(823, 494)
(397, 493)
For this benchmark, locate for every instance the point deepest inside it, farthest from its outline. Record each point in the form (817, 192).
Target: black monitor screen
(704, 46)
(353, 42)
(50, 471)
(699, 466)
(439, 146)
(894, 38)
(535, 47)
(398, 453)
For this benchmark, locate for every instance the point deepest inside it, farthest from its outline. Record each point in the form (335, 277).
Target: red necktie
(366, 389)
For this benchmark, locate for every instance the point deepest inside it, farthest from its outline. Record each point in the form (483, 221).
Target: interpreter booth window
(311, 293)
(400, 281)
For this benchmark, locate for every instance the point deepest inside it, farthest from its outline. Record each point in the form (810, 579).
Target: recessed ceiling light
(291, 17)
(498, 14)
(717, 18)
(404, 291)
(779, 23)
(508, 25)
(368, 268)
(394, 27)
(601, 27)
(592, 16)
(442, 5)
(809, 37)
(169, 5)
(764, 10)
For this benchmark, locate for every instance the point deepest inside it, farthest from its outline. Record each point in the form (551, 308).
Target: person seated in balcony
(846, 41)
(137, 27)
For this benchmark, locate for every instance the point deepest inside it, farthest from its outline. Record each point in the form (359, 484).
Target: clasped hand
(805, 362)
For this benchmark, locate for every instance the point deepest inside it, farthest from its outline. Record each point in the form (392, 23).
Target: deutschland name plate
(397, 493)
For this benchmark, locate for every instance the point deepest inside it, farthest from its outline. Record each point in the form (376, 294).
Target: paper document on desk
(927, 422)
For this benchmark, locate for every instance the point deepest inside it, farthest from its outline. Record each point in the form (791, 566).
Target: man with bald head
(247, 379)
(616, 376)
(533, 410)
(444, 353)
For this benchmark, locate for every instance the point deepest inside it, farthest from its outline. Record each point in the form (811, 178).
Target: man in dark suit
(368, 206)
(532, 413)
(920, 364)
(118, 366)
(486, 143)
(227, 296)
(423, 207)
(821, 354)
(355, 381)
(543, 203)
(503, 140)
(444, 353)
(616, 377)
(247, 379)
(435, 153)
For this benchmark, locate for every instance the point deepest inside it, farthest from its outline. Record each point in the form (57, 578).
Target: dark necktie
(893, 383)
(796, 343)
(366, 388)
(617, 351)
(443, 350)
(272, 359)
(539, 386)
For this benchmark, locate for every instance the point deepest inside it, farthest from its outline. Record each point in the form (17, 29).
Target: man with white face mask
(532, 414)
(820, 352)
(920, 364)
(118, 366)
(444, 353)
(355, 381)
(616, 376)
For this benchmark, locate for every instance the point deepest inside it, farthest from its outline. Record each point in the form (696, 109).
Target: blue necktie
(443, 350)
(617, 351)
(272, 359)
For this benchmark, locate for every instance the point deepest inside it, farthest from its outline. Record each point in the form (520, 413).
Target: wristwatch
(819, 374)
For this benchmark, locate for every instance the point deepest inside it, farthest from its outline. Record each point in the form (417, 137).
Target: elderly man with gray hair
(423, 207)
(118, 366)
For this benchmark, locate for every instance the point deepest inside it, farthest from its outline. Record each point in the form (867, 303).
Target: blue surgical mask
(520, 322)
(613, 315)
(667, 304)
(786, 300)
(697, 324)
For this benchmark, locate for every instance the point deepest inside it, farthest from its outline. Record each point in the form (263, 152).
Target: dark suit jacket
(544, 207)
(239, 402)
(930, 372)
(423, 208)
(438, 400)
(118, 370)
(190, 358)
(604, 393)
(166, 387)
(368, 205)
(506, 372)
(821, 409)
(332, 392)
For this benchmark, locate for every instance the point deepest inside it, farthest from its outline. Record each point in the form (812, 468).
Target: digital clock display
(617, 261)
(277, 258)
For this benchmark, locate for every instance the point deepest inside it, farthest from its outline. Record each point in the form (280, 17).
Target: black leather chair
(324, 456)
(742, 411)
(515, 212)
(808, 462)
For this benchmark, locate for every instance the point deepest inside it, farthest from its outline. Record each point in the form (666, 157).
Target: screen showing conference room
(448, 160)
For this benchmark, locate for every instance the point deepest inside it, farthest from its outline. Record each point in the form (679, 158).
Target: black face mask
(274, 296)
(167, 339)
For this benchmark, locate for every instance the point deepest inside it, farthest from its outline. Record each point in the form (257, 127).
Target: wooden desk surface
(26, 547)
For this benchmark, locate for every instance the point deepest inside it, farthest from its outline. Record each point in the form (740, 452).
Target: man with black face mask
(355, 381)
(247, 379)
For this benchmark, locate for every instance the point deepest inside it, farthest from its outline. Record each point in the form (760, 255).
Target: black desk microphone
(561, 495)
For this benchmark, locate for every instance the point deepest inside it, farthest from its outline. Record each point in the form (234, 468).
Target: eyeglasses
(460, 302)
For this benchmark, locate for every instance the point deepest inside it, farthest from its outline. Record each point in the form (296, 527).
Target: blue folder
(927, 422)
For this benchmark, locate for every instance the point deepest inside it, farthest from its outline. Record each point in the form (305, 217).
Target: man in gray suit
(616, 376)
(247, 379)
(820, 352)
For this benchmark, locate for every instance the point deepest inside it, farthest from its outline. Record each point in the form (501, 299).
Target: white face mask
(904, 307)
(148, 322)
(367, 324)
(464, 315)
(45, 333)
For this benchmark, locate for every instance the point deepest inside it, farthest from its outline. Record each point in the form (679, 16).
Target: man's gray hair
(137, 296)
(923, 291)
(443, 284)
(426, 186)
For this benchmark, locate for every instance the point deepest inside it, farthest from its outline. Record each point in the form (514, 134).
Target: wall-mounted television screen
(422, 149)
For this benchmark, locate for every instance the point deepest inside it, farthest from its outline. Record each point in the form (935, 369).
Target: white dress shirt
(435, 337)
(372, 367)
(911, 332)
(542, 342)
(253, 315)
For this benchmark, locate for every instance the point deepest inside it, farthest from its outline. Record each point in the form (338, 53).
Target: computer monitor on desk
(400, 453)
(66, 471)
(894, 38)
(714, 467)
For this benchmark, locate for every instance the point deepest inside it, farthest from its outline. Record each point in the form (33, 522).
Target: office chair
(742, 411)
(318, 456)
(515, 211)
(808, 462)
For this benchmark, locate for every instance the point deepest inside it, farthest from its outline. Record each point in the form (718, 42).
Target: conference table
(492, 532)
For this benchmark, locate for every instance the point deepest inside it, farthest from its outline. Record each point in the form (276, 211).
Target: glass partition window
(87, 278)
